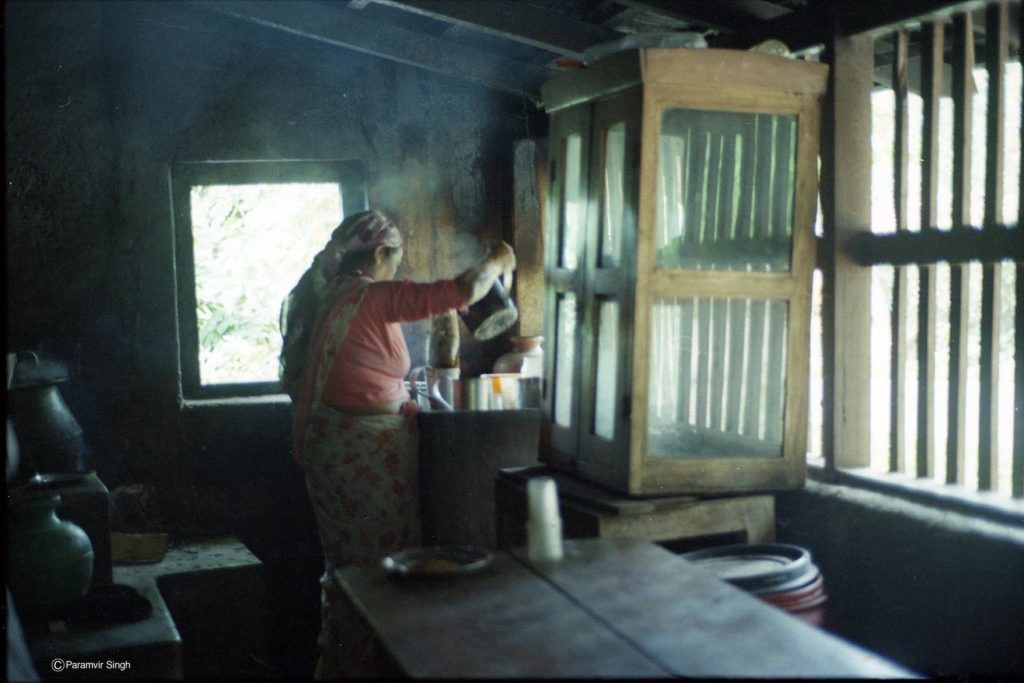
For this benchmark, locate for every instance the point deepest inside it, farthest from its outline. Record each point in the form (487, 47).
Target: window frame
(349, 174)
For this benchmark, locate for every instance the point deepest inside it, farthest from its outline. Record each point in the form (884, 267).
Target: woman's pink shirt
(372, 361)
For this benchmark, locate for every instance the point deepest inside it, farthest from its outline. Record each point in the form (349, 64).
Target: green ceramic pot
(49, 561)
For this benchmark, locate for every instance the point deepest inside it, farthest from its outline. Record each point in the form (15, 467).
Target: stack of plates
(781, 575)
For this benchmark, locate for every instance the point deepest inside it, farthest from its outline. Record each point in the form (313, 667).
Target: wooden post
(963, 87)
(996, 52)
(898, 320)
(846, 207)
(931, 89)
(1017, 475)
(529, 185)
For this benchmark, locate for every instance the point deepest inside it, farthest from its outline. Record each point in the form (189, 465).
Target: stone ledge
(950, 521)
(152, 648)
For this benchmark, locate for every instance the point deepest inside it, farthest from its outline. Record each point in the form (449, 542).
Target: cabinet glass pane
(565, 358)
(726, 184)
(614, 192)
(572, 228)
(717, 380)
(605, 395)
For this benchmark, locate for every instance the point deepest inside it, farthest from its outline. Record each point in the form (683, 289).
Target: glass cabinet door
(609, 265)
(725, 190)
(567, 214)
(614, 175)
(727, 309)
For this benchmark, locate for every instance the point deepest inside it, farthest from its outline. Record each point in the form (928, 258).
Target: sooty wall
(101, 98)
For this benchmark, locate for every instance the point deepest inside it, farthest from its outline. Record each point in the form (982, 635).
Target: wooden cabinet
(681, 197)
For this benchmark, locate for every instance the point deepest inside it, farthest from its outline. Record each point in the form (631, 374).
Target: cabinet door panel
(570, 236)
(565, 360)
(567, 213)
(607, 306)
(717, 378)
(726, 185)
(615, 176)
(609, 361)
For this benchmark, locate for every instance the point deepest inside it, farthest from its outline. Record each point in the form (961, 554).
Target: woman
(343, 362)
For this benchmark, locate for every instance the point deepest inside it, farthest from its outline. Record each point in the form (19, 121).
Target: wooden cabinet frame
(636, 87)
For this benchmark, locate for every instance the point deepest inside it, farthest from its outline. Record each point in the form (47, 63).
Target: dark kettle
(492, 315)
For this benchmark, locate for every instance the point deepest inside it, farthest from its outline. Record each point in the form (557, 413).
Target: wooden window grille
(950, 275)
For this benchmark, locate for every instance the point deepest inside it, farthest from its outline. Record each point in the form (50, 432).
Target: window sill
(234, 401)
(947, 497)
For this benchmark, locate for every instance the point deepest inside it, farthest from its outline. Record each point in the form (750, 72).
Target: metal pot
(501, 391)
(492, 315)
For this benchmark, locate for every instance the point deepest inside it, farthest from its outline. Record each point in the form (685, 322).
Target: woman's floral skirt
(361, 475)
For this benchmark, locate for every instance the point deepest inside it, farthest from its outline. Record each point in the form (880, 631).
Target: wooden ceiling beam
(350, 29)
(806, 28)
(513, 20)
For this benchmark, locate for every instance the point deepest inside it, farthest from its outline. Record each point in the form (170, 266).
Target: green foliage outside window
(251, 244)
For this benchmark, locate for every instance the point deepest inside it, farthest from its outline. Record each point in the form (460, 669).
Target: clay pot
(50, 561)
(49, 436)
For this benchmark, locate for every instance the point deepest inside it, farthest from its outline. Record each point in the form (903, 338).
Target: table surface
(610, 608)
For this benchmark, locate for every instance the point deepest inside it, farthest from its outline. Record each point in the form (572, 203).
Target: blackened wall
(102, 97)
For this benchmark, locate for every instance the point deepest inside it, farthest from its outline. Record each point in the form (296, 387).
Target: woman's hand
(477, 281)
(502, 256)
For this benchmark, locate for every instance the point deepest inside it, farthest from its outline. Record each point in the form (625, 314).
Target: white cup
(544, 528)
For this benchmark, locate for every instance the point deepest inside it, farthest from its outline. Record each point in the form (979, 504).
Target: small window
(245, 233)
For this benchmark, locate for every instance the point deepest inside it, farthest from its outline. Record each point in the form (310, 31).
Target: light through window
(245, 232)
(250, 244)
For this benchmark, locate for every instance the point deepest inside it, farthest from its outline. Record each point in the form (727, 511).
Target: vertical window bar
(996, 53)
(755, 340)
(931, 90)
(901, 165)
(739, 383)
(737, 352)
(963, 84)
(704, 358)
(684, 330)
(755, 352)
(718, 320)
(1017, 475)
(718, 308)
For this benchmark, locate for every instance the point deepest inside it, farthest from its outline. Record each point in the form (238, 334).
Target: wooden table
(610, 608)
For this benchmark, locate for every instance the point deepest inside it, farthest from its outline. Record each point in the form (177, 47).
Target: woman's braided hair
(351, 242)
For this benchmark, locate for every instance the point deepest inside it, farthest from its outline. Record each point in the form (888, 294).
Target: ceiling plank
(513, 20)
(350, 29)
(722, 16)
